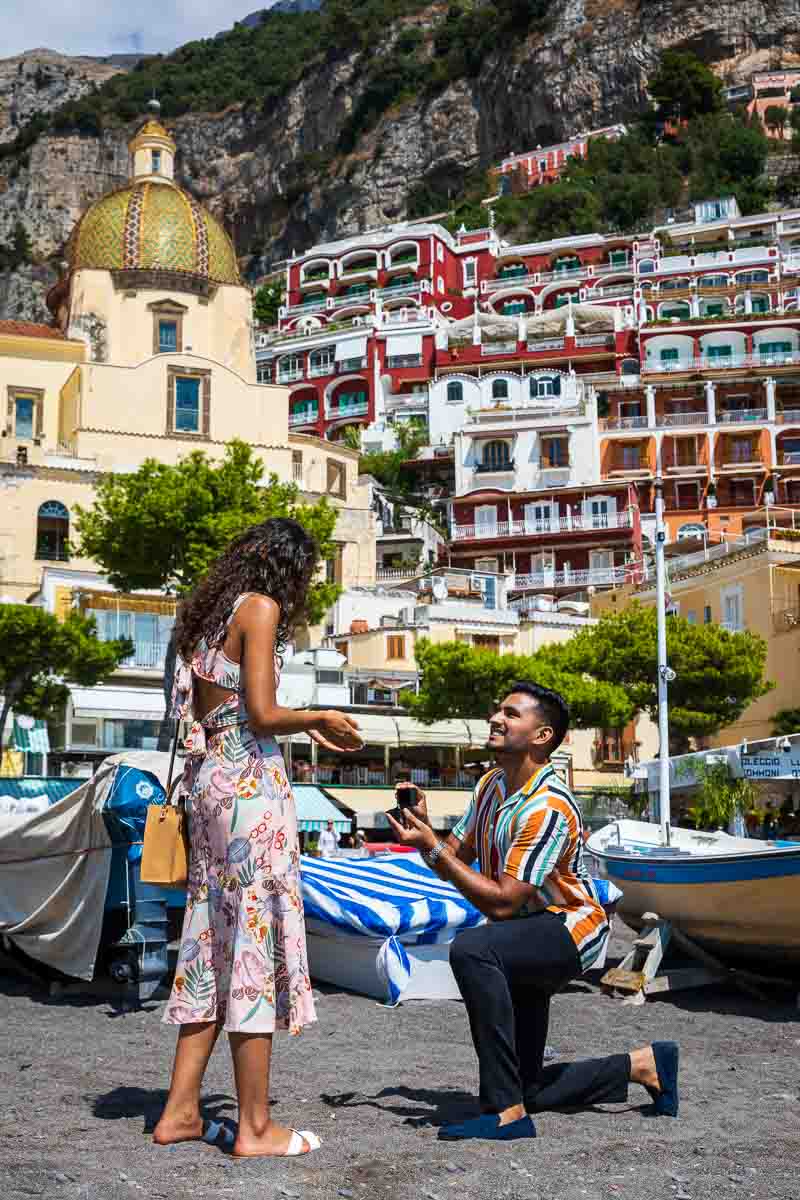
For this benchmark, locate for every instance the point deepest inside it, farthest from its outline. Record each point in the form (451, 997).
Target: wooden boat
(738, 897)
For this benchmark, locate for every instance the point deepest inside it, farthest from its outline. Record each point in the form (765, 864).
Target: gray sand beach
(82, 1082)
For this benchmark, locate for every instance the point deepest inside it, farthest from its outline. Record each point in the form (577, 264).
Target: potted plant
(711, 495)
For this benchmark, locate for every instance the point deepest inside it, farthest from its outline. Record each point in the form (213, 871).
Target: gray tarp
(54, 869)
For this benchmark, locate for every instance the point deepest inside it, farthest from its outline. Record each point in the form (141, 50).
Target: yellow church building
(150, 355)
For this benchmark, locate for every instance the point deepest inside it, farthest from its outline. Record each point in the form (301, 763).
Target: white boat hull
(736, 896)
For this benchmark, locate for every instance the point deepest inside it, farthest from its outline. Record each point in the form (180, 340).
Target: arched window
(496, 456)
(455, 391)
(52, 532)
(691, 531)
(545, 385)
(500, 389)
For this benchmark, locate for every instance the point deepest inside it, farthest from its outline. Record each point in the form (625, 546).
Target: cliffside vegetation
(687, 148)
(257, 65)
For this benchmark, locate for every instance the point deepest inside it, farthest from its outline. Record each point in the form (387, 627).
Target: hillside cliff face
(41, 80)
(277, 182)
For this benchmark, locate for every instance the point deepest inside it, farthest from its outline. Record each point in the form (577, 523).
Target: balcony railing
(349, 301)
(735, 415)
(595, 339)
(149, 655)
(333, 413)
(498, 348)
(350, 364)
(290, 375)
(612, 268)
(545, 344)
(497, 285)
(614, 289)
(547, 464)
(716, 364)
(295, 310)
(303, 418)
(638, 422)
(670, 420)
(597, 576)
(790, 458)
(621, 467)
(317, 369)
(789, 416)
(483, 468)
(401, 289)
(530, 528)
(567, 274)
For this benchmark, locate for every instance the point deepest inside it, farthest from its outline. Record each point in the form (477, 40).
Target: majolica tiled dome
(153, 226)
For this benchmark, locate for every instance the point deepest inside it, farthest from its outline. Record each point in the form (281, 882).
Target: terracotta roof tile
(30, 329)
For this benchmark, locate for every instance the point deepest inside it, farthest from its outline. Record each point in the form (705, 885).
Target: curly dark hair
(276, 559)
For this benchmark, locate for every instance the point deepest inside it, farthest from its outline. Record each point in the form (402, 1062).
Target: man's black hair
(552, 706)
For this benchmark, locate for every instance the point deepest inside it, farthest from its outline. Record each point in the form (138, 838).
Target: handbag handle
(171, 787)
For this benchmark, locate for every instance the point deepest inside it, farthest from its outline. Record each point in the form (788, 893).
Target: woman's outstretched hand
(334, 731)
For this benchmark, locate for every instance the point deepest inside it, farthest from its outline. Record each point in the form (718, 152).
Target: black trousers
(506, 972)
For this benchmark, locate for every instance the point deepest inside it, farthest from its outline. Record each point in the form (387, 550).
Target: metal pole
(664, 672)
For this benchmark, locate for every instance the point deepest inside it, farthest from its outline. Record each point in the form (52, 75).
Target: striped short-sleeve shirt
(536, 836)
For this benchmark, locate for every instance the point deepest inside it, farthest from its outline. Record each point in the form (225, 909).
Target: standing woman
(242, 965)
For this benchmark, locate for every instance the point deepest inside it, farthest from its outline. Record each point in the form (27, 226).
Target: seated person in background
(546, 927)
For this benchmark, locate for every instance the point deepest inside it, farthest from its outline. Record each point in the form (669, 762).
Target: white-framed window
(439, 252)
(455, 391)
(600, 511)
(542, 517)
(496, 456)
(485, 519)
(499, 389)
(732, 607)
(470, 267)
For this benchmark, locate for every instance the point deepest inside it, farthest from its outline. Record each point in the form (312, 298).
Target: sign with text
(771, 766)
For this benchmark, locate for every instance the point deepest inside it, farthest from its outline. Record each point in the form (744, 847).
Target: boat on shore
(737, 897)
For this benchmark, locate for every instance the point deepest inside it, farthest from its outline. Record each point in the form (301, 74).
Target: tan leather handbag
(165, 852)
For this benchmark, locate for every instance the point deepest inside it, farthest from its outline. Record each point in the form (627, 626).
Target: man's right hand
(420, 809)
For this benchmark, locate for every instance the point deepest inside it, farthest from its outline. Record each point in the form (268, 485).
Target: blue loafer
(489, 1128)
(667, 1056)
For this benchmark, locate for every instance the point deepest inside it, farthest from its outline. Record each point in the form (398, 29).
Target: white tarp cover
(587, 318)
(351, 348)
(398, 344)
(54, 871)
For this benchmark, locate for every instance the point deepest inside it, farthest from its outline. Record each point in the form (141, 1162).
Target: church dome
(153, 225)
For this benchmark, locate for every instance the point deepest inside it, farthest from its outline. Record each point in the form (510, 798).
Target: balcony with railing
(545, 344)
(495, 348)
(789, 458)
(685, 417)
(353, 300)
(148, 656)
(317, 304)
(503, 282)
(741, 416)
(321, 367)
(631, 465)
(306, 416)
(594, 523)
(567, 578)
(393, 290)
(335, 412)
(636, 421)
(504, 467)
(734, 454)
(720, 363)
(788, 416)
(290, 374)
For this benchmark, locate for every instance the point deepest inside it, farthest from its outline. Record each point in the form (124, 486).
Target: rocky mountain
(278, 176)
(42, 80)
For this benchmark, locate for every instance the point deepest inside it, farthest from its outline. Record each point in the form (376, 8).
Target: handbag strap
(172, 765)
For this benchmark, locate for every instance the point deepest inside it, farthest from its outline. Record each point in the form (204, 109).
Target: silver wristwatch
(432, 856)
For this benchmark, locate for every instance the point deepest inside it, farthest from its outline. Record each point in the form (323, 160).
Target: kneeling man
(545, 927)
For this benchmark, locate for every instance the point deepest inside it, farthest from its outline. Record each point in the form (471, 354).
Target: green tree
(162, 527)
(786, 721)
(457, 680)
(40, 655)
(719, 796)
(718, 674)
(776, 118)
(267, 300)
(684, 87)
(794, 120)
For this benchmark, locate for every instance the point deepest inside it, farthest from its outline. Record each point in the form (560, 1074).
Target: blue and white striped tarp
(391, 898)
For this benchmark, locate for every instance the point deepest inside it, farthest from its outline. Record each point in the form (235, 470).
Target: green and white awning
(30, 735)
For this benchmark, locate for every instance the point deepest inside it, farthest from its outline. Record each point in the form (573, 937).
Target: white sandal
(296, 1146)
(299, 1136)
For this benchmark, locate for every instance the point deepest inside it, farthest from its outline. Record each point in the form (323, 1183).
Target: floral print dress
(242, 960)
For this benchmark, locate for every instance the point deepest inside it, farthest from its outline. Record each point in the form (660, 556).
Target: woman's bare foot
(170, 1130)
(270, 1141)
(643, 1068)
